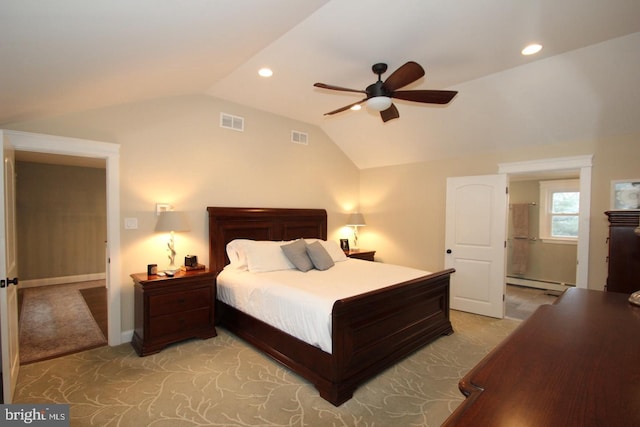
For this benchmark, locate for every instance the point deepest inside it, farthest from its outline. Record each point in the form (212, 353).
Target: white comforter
(300, 303)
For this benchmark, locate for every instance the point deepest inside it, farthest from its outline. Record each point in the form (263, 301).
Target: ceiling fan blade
(339, 110)
(426, 96)
(389, 114)
(408, 73)
(343, 89)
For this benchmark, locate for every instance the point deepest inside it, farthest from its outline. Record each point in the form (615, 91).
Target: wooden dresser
(574, 363)
(172, 309)
(624, 252)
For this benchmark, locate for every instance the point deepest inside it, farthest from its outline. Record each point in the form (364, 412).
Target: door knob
(449, 251)
(6, 283)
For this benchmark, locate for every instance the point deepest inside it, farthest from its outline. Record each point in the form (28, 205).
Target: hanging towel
(520, 256)
(520, 221)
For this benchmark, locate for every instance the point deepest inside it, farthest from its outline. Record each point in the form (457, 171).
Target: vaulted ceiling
(62, 56)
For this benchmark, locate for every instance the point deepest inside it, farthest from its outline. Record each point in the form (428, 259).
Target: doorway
(533, 260)
(61, 230)
(109, 154)
(544, 270)
(577, 166)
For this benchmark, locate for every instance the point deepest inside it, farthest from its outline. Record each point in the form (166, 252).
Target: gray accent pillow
(296, 252)
(319, 256)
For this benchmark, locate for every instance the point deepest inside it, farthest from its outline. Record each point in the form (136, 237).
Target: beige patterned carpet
(225, 382)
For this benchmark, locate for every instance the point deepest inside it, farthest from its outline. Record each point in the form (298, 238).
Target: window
(559, 210)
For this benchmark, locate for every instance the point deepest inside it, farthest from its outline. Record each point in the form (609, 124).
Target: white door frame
(579, 163)
(49, 144)
(9, 341)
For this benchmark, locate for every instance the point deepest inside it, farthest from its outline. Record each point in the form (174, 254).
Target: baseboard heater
(539, 284)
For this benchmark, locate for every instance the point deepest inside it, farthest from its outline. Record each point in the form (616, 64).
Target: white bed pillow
(236, 251)
(263, 256)
(334, 249)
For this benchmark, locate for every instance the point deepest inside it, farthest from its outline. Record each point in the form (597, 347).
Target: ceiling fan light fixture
(379, 103)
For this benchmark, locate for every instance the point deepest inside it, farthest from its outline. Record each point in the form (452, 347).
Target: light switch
(131, 223)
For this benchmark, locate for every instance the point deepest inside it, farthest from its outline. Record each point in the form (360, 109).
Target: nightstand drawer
(179, 322)
(177, 302)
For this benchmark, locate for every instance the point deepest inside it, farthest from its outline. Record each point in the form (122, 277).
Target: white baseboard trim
(126, 336)
(61, 280)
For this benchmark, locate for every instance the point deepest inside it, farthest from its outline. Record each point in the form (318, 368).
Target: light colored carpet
(223, 381)
(55, 321)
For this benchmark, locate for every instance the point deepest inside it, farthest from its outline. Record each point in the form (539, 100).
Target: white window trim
(547, 188)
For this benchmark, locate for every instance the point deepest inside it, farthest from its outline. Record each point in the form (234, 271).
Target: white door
(476, 226)
(8, 275)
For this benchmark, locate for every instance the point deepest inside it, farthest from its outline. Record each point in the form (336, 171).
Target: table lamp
(355, 220)
(172, 221)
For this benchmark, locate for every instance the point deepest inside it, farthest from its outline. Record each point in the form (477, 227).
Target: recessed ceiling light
(532, 49)
(356, 107)
(265, 72)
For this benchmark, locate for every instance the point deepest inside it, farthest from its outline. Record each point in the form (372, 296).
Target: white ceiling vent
(299, 137)
(228, 121)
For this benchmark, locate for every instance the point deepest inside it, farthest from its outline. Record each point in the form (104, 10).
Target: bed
(369, 332)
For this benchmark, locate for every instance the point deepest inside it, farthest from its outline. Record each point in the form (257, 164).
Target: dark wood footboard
(371, 332)
(375, 330)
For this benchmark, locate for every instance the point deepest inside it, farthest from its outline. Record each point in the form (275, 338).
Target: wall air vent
(228, 121)
(299, 137)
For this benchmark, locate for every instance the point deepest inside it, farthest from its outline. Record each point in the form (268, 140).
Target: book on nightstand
(192, 268)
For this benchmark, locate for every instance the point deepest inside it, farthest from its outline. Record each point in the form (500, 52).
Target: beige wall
(404, 205)
(61, 219)
(173, 151)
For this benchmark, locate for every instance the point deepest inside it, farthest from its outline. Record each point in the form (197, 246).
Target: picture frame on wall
(625, 194)
(344, 244)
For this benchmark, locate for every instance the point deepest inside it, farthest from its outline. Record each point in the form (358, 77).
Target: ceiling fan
(379, 94)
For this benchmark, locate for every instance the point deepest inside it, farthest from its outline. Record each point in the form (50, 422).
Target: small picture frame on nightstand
(344, 244)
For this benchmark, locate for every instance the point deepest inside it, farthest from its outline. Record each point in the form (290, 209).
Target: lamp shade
(356, 219)
(172, 221)
(379, 103)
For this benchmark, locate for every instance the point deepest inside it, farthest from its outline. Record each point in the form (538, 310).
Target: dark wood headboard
(227, 224)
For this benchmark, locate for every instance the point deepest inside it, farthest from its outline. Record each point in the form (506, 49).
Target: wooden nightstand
(172, 309)
(360, 254)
